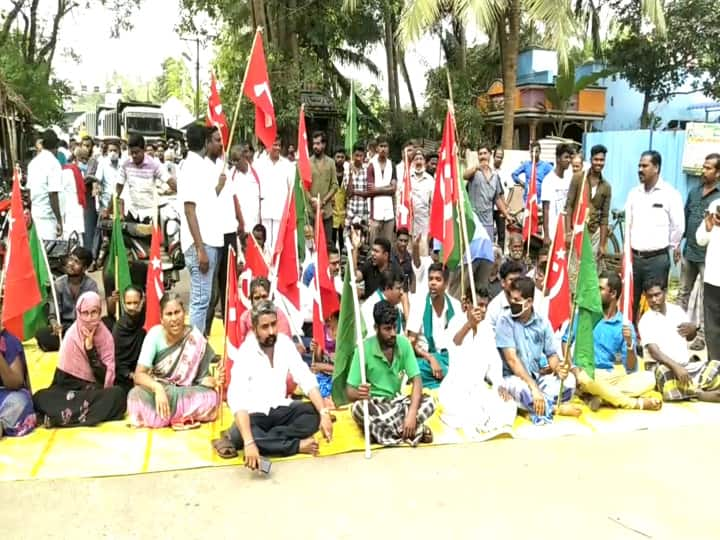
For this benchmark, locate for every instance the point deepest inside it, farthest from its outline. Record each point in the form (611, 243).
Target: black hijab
(128, 336)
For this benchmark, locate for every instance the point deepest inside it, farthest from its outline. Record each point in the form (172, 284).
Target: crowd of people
(486, 346)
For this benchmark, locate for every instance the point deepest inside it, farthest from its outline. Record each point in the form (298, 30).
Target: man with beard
(423, 186)
(620, 385)
(666, 331)
(381, 187)
(428, 326)
(339, 200)
(532, 369)
(380, 260)
(656, 223)
(266, 422)
(432, 162)
(324, 184)
(128, 336)
(394, 418)
(69, 287)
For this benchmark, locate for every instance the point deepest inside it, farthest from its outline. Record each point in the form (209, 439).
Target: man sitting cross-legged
(619, 384)
(532, 370)
(266, 422)
(467, 399)
(666, 331)
(394, 418)
(430, 316)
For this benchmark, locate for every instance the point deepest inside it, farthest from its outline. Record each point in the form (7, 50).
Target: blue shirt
(308, 274)
(533, 341)
(543, 167)
(609, 342)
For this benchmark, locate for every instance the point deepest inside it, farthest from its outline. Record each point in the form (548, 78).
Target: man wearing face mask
(532, 369)
(128, 336)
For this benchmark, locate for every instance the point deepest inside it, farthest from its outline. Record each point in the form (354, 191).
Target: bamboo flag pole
(552, 251)
(533, 171)
(360, 344)
(53, 292)
(230, 260)
(117, 266)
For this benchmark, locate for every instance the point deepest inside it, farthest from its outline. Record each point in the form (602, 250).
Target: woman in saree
(173, 386)
(17, 416)
(82, 392)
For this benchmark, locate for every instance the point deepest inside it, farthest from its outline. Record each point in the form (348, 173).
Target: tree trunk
(294, 48)
(406, 76)
(31, 42)
(645, 115)
(461, 38)
(391, 62)
(258, 12)
(509, 34)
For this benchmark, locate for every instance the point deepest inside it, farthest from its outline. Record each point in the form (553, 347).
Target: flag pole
(52, 284)
(627, 254)
(533, 171)
(117, 267)
(552, 250)
(360, 345)
(225, 325)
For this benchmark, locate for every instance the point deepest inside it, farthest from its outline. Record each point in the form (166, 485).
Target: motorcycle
(137, 238)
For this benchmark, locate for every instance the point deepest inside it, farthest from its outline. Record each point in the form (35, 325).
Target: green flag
(300, 217)
(346, 341)
(456, 255)
(589, 308)
(351, 121)
(117, 258)
(36, 318)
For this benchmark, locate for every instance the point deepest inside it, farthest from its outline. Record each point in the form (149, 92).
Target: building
(535, 117)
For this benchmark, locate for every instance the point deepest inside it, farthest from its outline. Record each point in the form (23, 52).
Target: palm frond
(419, 15)
(655, 12)
(355, 59)
(559, 24)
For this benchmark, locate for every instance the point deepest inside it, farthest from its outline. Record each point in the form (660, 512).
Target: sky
(137, 54)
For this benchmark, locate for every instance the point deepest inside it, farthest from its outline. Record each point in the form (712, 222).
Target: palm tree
(501, 19)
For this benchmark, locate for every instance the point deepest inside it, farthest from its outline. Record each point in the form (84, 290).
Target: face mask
(517, 309)
(113, 155)
(82, 167)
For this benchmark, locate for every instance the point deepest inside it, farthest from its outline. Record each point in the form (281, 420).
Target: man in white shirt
(708, 234)
(392, 291)
(423, 186)
(44, 180)
(555, 190)
(382, 184)
(276, 175)
(666, 330)
(200, 235)
(467, 399)
(266, 421)
(428, 326)
(655, 217)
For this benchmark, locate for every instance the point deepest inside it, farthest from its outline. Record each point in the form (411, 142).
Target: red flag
(257, 90)
(21, 286)
(255, 266)
(326, 298)
(445, 195)
(628, 293)
(530, 224)
(303, 157)
(405, 207)
(216, 115)
(233, 310)
(557, 284)
(286, 254)
(154, 287)
(579, 217)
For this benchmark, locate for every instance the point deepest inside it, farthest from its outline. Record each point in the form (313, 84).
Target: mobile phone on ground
(265, 465)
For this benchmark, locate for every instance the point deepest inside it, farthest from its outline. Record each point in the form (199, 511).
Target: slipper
(224, 448)
(185, 424)
(427, 436)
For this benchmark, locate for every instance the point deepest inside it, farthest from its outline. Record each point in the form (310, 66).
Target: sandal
(427, 436)
(224, 448)
(185, 424)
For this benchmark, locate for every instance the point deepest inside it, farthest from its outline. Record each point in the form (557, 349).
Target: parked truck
(131, 117)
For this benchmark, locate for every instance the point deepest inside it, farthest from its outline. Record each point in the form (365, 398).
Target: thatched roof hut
(15, 125)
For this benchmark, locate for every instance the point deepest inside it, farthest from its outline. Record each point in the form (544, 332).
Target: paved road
(663, 484)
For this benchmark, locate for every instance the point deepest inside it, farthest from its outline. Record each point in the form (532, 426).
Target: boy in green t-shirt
(394, 418)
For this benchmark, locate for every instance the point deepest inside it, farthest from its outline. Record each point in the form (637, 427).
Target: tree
(658, 65)
(567, 86)
(502, 19)
(28, 41)
(174, 81)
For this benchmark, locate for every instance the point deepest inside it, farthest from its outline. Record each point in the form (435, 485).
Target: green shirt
(323, 182)
(384, 378)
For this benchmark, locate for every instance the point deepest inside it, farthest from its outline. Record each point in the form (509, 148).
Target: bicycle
(616, 241)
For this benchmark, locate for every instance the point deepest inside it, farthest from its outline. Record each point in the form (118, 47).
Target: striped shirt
(141, 181)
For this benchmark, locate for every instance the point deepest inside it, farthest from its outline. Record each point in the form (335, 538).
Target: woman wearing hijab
(82, 391)
(17, 416)
(172, 378)
(128, 336)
